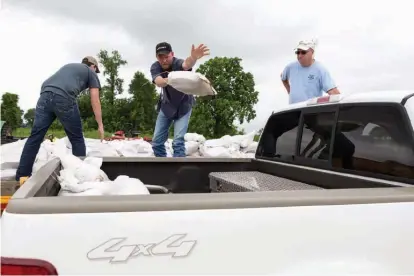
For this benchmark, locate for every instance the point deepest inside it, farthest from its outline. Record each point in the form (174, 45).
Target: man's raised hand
(200, 51)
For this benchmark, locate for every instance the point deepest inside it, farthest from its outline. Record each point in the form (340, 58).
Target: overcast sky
(366, 45)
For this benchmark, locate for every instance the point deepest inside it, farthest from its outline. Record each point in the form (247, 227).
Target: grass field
(25, 132)
(92, 133)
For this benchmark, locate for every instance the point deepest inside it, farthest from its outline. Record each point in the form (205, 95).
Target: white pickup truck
(330, 191)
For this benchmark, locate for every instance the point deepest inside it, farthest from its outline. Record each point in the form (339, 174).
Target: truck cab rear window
(279, 136)
(373, 139)
(317, 134)
(365, 139)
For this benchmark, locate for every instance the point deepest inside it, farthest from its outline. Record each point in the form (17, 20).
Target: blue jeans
(161, 134)
(49, 106)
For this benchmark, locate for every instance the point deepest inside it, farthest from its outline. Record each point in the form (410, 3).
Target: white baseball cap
(306, 45)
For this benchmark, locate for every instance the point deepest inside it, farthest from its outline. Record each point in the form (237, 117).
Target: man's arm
(328, 84)
(195, 54)
(96, 105)
(333, 91)
(189, 63)
(94, 86)
(157, 79)
(287, 85)
(285, 79)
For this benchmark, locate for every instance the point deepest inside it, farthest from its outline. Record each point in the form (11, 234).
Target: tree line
(235, 100)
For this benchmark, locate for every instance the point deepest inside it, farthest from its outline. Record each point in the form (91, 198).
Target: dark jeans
(49, 107)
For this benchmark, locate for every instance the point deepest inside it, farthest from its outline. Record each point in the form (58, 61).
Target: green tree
(236, 97)
(143, 102)
(29, 116)
(114, 84)
(86, 111)
(10, 110)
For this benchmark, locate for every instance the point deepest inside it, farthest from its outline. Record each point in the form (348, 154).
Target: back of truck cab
(319, 231)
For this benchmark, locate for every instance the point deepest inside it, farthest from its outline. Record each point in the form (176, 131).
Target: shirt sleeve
(93, 80)
(157, 71)
(327, 83)
(285, 73)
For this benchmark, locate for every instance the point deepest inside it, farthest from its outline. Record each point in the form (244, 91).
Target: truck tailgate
(330, 239)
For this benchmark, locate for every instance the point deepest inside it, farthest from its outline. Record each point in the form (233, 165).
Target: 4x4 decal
(117, 251)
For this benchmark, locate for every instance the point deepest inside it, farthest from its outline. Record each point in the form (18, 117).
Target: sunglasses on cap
(302, 52)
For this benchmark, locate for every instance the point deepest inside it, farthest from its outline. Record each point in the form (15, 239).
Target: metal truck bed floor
(253, 181)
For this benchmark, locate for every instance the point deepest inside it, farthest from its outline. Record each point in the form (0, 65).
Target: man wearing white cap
(307, 78)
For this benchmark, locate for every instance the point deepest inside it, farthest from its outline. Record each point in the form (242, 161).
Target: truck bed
(194, 183)
(343, 225)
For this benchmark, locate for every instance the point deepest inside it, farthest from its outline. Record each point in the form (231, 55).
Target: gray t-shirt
(70, 80)
(174, 104)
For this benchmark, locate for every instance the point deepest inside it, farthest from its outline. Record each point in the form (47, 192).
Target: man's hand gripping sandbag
(191, 83)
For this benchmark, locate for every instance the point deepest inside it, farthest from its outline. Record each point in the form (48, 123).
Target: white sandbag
(143, 146)
(9, 165)
(125, 185)
(8, 174)
(90, 173)
(42, 154)
(145, 154)
(70, 161)
(251, 148)
(250, 155)
(191, 147)
(194, 137)
(68, 181)
(222, 142)
(247, 139)
(234, 147)
(196, 154)
(215, 152)
(168, 148)
(191, 83)
(94, 161)
(11, 152)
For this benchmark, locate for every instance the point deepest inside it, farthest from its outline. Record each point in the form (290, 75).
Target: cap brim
(163, 53)
(305, 48)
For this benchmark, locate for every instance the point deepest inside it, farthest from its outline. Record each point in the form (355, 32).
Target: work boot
(23, 179)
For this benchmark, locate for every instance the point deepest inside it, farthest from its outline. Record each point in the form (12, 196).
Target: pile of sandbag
(237, 146)
(196, 145)
(85, 177)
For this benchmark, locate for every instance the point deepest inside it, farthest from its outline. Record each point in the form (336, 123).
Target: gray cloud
(367, 46)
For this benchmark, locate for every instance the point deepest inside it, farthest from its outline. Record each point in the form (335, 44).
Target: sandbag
(194, 137)
(191, 83)
(191, 147)
(8, 174)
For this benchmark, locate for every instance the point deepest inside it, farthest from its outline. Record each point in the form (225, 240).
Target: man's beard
(167, 67)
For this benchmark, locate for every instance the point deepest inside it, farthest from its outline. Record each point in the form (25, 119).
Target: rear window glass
(373, 139)
(317, 135)
(279, 136)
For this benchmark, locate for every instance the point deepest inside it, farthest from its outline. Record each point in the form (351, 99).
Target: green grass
(59, 133)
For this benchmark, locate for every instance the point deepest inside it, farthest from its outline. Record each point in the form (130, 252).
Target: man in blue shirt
(306, 78)
(174, 106)
(57, 99)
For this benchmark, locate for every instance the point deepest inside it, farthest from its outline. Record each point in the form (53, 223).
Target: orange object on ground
(4, 201)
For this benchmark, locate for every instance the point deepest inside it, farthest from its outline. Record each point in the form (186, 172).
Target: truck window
(279, 136)
(373, 139)
(317, 135)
